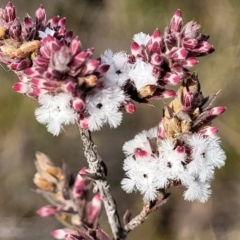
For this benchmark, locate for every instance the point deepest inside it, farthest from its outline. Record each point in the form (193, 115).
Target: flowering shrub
(74, 88)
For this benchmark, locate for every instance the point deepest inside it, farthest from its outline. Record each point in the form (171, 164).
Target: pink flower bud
(156, 36)
(136, 49)
(187, 101)
(180, 54)
(203, 47)
(62, 22)
(168, 93)
(91, 65)
(61, 233)
(28, 23)
(176, 21)
(68, 86)
(41, 14)
(130, 108)
(31, 72)
(21, 87)
(171, 78)
(208, 131)
(69, 36)
(15, 30)
(189, 43)
(156, 59)
(75, 46)
(54, 21)
(78, 104)
(161, 131)
(83, 123)
(190, 62)
(102, 69)
(47, 211)
(141, 154)
(216, 111)
(41, 62)
(94, 208)
(180, 149)
(10, 12)
(73, 237)
(20, 64)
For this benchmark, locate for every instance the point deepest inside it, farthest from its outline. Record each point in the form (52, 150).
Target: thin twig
(97, 168)
(148, 208)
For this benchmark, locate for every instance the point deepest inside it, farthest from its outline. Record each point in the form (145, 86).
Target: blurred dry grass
(111, 24)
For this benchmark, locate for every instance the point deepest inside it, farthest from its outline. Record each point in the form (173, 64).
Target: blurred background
(111, 24)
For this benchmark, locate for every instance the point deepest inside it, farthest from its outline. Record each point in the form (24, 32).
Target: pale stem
(97, 168)
(148, 207)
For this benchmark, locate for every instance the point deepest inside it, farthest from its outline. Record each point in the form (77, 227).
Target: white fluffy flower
(198, 191)
(206, 155)
(103, 107)
(47, 32)
(107, 57)
(118, 72)
(141, 38)
(190, 164)
(140, 141)
(141, 74)
(55, 111)
(141, 176)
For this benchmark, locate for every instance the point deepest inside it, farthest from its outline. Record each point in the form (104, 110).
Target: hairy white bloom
(55, 111)
(190, 164)
(198, 191)
(141, 38)
(107, 57)
(48, 31)
(141, 74)
(140, 141)
(118, 72)
(206, 154)
(141, 176)
(103, 107)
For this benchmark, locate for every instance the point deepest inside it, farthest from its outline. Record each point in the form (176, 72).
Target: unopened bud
(78, 104)
(161, 131)
(156, 36)
(189, 43)
(136, 49)
(75, 46)
(61, 233)
(141, 154)
(204, 48)
(47, 211)
(94, 208)
(41, 14)
(10, 12)
(130, 108)
(180, 54)
(180, 149)
(168, 93)
(176, 21)
(156, 59)
(208, 131)
(216, 111)
(171, 78)
(190, 62)
(83, 123)
(21, 87)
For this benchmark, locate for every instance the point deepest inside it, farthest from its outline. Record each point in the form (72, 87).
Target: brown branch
(97, 168)
(148, 207)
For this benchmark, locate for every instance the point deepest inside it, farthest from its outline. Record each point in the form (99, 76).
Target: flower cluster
(67, 195)
(53, 68)
(183, 150)
(157, 60)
